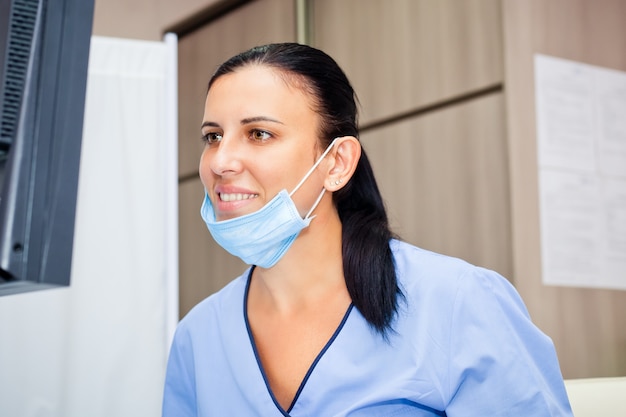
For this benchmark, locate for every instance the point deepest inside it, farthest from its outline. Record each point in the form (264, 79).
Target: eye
(211, 138)
(260, 135)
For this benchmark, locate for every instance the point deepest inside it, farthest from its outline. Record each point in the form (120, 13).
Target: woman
(335, 317)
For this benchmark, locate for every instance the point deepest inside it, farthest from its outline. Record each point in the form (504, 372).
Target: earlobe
(346, 157)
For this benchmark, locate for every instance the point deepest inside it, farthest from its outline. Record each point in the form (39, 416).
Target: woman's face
(260, 137)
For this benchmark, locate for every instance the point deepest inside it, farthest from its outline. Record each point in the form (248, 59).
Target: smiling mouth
(236, 197)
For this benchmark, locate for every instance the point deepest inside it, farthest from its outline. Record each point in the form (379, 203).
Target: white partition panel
(99, 347)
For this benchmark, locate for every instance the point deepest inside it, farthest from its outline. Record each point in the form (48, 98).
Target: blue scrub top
(463, 345)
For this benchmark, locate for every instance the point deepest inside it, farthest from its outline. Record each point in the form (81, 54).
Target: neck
(310, 271)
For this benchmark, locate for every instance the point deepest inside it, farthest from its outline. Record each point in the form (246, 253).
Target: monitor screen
(44, 52)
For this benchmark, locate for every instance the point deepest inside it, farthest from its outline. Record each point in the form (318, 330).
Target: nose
(222, 158)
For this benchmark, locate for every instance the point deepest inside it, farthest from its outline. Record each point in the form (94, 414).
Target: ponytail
(368, 264)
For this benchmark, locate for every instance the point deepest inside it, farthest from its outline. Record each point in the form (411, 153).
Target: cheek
(204, 169)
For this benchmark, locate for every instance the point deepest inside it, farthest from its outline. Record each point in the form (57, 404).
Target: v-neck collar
(258, 357)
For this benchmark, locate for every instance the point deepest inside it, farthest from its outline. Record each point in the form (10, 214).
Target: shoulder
(482, 342)
(422, 270)
(193, 351)
(413, 261)
(444, 283)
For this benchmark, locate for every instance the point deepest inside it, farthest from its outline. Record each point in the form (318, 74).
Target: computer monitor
(44, 52)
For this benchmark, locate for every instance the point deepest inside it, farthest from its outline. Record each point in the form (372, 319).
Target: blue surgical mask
(262, 238)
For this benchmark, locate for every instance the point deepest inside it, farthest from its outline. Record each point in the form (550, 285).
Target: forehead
(257, 84)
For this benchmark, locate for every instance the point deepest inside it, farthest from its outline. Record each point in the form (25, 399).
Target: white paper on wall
(581, 142)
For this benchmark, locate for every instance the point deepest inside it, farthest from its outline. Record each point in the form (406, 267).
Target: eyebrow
(246, 121)
(259, 119)
(211, 124)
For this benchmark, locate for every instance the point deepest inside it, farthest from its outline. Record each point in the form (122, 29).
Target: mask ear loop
(306, 176)
(315, 165)
(319, 198)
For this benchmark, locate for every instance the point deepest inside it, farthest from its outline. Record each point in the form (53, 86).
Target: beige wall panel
(405, 54)
(142, 19)
(444, 177)
(204, 266)
(201, 51)
(587, 325)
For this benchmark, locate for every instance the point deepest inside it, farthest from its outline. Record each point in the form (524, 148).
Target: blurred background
(448, 118)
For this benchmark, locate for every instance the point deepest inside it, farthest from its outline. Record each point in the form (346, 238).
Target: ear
(345, 159)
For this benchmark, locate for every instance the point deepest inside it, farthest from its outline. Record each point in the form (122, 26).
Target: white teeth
(236, 196)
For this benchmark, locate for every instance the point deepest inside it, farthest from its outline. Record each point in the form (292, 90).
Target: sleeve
(500, 363)
(179, 396)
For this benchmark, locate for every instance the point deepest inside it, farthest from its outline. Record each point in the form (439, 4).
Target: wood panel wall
(587, 325)
(429, 77)
(444, 179)
(403, 55)
(146, 19)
